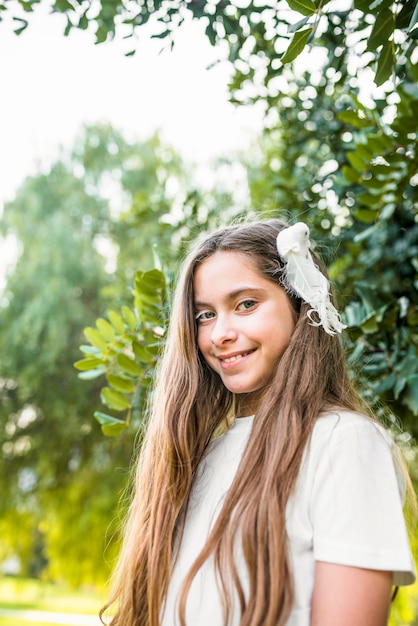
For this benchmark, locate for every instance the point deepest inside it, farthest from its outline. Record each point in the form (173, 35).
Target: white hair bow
(303, 278)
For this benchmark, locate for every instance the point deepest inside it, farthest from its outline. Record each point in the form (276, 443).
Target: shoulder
(342, 425)
(357, 444)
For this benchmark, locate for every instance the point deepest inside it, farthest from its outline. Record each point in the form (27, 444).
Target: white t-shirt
(346, 508)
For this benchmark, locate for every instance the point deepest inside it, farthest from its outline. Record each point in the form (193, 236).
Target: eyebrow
(235, 294)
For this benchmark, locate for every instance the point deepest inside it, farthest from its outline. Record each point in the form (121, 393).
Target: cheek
(202, 340)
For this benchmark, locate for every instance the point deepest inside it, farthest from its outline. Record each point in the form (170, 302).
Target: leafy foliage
(125, 349)
(261, 37)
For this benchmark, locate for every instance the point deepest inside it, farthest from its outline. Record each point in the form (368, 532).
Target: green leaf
(120, 383)
(385, 64)
(129, 317)
(111, 426)
(413, 25)
(91, 374)
(352, 117)
(24, 25)
(292, 28)
(95, 338)
(90, 350)
(296, 46)
(105, 329)
(410, 397)
(306, 7)
(162, 35)
(368, 199)
(141, 353)
(87, 364)
(128, 365)
(117, 322)
(351, 175)
(382, 30)
(356, 161)
(113, 430)
(114, 399)
(366, 215)
(362, 5)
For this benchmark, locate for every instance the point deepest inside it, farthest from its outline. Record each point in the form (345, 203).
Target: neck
(247, 403)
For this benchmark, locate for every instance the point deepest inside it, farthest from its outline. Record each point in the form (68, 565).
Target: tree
(261, 38)
(69, 224)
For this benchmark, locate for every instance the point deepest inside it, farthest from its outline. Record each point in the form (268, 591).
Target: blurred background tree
(338, 84)
(104, 209)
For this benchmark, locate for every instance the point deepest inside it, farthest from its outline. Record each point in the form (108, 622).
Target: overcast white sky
(51, 85)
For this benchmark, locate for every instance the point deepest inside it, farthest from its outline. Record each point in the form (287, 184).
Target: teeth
(234, 358)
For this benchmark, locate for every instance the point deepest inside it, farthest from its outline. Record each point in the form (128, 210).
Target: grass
(33, 595)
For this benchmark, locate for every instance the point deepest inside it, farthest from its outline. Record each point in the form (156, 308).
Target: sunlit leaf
(95, 338)
(128, 365)
(129, 317)
(105, 329)
(114, 399)
(142, 353)
(91, 374)
(116, 321)
(111, 426)
(88, 364)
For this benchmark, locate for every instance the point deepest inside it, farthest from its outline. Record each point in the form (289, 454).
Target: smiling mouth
(235, 357)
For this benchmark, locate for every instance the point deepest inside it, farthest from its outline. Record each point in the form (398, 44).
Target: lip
(232, 359)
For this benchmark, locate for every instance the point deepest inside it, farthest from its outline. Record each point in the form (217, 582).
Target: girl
(264, 497)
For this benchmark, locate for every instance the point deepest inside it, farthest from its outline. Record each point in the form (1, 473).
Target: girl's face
(244, 323)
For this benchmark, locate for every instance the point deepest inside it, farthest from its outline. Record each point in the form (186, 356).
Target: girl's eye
(246, 305)
(203, 316)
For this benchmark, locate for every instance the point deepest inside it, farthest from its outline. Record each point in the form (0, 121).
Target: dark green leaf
(356, 161)
(410, 397)
(296, 46)
(292, 28)
(351, 175)
(382, 29)
(366, 215)
(385, 64)
(413, 25)
(162, 35)
(353, 117)
(306, 7)
(368, 199)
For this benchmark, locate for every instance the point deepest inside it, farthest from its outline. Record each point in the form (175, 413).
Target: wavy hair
(189, 404)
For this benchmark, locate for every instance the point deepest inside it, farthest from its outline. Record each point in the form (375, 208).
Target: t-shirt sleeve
(356, 501)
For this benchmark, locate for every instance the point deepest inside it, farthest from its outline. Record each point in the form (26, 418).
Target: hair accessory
(301, 277)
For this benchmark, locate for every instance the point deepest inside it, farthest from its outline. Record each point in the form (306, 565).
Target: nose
(223, 331)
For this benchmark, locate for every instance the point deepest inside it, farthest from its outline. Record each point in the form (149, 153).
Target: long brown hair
(189, 403)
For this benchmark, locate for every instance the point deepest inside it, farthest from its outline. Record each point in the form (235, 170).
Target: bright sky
(51, 84)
